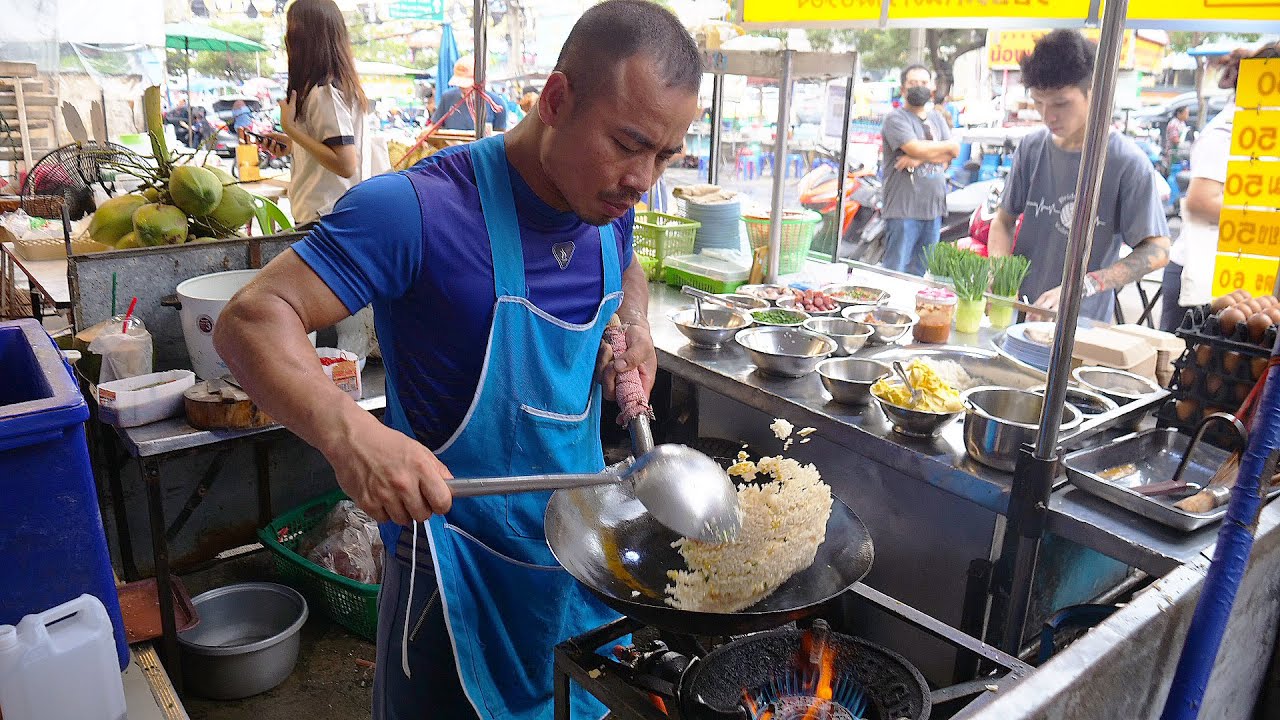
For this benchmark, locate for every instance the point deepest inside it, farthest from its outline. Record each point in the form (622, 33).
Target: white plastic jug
(61, 665)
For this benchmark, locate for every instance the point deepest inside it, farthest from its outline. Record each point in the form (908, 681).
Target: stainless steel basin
(849, 380)
(719, 324)
(998, 421)
(789, 352)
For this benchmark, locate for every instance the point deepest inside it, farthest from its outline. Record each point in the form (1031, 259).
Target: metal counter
(940, 462)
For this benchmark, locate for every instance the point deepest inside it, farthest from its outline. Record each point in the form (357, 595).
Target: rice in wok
(784, 521)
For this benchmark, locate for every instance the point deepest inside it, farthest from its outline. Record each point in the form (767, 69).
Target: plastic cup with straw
(129, 315)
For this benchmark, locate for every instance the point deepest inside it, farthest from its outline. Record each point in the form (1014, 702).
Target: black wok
(604, 537)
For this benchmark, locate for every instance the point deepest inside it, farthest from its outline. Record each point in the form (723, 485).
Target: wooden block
(17, 69)
(32, 99)
(219, 405)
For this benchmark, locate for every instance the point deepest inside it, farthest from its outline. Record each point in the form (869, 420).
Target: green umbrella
(190, 36)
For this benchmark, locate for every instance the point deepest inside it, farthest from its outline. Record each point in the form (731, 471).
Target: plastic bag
(123, 356)
(346, 542)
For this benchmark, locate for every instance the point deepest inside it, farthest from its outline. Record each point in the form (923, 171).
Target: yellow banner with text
(1233, 272)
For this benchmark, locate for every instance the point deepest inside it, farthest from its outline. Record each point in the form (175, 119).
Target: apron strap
(489, 157)
(609, 259)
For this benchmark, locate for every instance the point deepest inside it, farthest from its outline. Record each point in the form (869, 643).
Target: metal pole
(1033, 476)
(779, 164)
(842, 171)
(1088, 184)
(717, 114)
(480, 41)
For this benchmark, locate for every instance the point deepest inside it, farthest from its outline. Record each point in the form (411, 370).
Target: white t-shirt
(1197, 244)
(313, 189)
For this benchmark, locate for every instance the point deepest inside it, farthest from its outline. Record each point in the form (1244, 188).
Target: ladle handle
(476, 487)
(703, 295)
(641, 435)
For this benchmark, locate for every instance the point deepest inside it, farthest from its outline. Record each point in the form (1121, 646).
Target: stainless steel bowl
(246, 642)
(849, 380)
(793, 303)
(789, 352)
(889, 326)
(850, 335)
(876, 296)
(999, 420)
(750, 301)
(1121, 386)
(916, 423)
(718, 326)
(1089, 403)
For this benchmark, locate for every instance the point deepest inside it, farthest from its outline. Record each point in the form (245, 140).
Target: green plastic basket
(354, 605)
(679, 278)
(657, 236)
(797, 235)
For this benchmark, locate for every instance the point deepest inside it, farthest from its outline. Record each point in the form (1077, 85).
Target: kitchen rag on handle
(629, 391)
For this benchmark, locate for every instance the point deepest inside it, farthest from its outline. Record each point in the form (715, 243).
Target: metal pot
(998, 421)
(247, 640)
(849, 380)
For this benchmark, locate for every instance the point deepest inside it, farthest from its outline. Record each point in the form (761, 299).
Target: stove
(790, 673)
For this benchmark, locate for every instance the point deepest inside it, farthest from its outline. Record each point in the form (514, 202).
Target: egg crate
(1235, 387)
(1200, 327)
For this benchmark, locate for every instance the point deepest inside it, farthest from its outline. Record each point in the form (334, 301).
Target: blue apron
(536, 410)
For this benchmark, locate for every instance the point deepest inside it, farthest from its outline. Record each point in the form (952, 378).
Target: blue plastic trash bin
(52, 545)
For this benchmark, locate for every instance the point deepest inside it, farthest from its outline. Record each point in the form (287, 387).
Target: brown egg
(1221, 303)
(1257, 366)
(1267, 301)
(1204, 355)
(1186, 409)
(1251, 306)
(1213, 385)
(1273, 312)
(1242, 294)
(1258, 324)
(1228, 320)
(1187, 378)
(1231, 362)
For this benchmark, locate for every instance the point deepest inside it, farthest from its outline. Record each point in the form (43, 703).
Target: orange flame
(659, 703)
(826, 667)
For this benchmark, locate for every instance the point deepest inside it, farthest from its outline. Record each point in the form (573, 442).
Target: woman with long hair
(324, 115)
(324, 119)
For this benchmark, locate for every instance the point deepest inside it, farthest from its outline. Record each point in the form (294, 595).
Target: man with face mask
(1042, 184)
(917, 147)
(493, 268)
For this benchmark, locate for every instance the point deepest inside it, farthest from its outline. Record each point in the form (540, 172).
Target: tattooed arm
(1150, 254)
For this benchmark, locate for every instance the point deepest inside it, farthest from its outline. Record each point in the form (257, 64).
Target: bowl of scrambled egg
(938, 406)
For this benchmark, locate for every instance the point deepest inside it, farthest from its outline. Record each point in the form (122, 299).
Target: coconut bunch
(180, 201)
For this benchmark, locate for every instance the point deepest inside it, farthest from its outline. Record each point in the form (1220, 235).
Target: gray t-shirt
(918, 195)
(1042, 187)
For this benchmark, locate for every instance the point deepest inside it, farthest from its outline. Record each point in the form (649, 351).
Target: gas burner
(804, 708)
(792, 697)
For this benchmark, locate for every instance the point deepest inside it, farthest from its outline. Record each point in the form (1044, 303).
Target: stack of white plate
(721, 224)
(1026, 350)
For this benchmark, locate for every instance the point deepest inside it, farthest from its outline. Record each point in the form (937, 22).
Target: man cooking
(493, 269)
(1041, 187)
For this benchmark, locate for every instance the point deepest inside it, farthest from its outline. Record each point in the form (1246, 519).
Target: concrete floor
(333, 679)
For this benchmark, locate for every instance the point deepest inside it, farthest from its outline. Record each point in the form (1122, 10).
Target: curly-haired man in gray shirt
(1041, 188)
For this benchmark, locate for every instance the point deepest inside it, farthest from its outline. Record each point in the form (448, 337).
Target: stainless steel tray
(1155, 454)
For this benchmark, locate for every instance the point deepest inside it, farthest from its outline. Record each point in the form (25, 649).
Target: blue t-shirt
(241, 118)
(464, 118)
(415, 245)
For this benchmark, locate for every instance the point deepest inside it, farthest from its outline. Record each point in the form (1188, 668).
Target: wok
(607, 540)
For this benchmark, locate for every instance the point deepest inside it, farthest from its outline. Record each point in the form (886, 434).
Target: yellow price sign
(1021, 9)
(1252, 183)
(803, 11)
(1256, 133)
(1249, 231)
(1233, 272)
(1190, 14)
(1258, 84)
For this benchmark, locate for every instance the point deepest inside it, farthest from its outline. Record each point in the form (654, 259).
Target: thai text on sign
(1253, 232)
(1252, 183)
(1258, 84)
(1232, 272)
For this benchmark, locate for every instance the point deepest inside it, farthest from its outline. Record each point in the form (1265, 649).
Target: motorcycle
(862, 230)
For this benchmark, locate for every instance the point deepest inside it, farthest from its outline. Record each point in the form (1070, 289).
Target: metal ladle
(906, 381)
(682, 488)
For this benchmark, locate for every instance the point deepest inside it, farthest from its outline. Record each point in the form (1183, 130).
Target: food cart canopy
(190, 36)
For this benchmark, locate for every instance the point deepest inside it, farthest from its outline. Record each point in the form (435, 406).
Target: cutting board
(220, 405)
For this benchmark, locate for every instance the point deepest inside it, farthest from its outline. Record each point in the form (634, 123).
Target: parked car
(224, 105)
(1153, 119)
